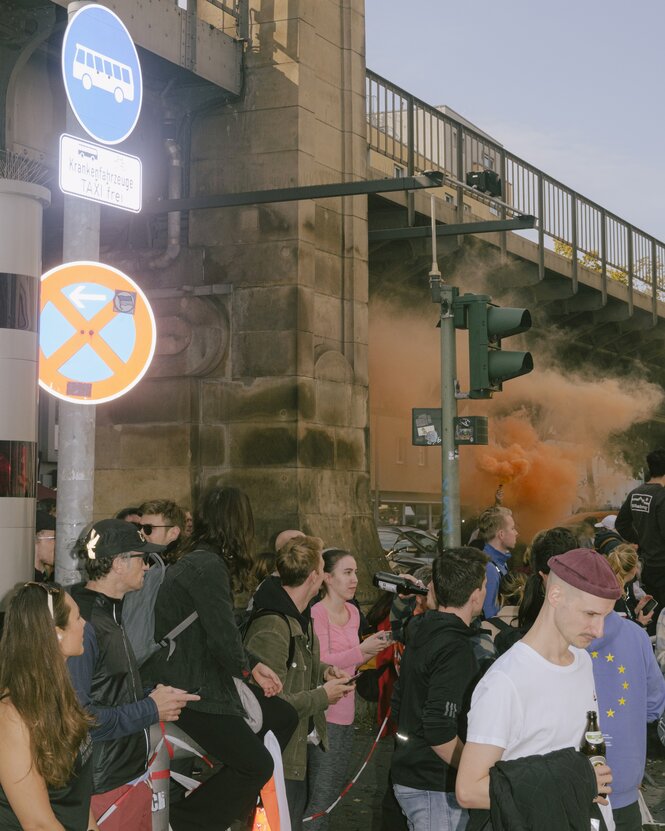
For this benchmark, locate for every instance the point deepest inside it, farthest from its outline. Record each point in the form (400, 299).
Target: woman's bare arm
(23, 786)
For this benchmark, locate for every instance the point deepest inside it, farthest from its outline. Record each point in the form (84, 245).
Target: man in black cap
(535, 698)
(106, 676)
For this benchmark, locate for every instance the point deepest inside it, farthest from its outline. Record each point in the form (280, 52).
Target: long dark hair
(544, 545)
(33, 673)
(224, 522)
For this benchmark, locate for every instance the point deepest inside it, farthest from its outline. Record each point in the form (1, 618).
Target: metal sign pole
(450, 500)
(76, 423)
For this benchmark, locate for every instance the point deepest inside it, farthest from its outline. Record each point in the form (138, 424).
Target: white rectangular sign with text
(100, 174)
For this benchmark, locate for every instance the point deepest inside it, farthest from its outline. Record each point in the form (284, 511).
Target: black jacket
(209, 653)
(432, 699)
(115, 681)
(641, 519)
(554, 792)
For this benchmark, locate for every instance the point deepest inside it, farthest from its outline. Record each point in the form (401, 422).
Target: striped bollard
(21, 207)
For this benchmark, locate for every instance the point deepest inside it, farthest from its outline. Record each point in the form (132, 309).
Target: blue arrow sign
(102, 74)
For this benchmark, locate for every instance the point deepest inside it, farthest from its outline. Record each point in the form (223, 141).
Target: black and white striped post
(21, 207)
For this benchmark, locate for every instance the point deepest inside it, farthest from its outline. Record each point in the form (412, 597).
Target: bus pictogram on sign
(97, 333)
(93, 69)
(102, 74)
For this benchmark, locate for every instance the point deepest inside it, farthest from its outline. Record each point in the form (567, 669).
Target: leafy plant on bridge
(642, 269)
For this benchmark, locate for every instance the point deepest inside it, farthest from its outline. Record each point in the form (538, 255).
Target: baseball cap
(608, 522)
(111, 537)
(588, 571)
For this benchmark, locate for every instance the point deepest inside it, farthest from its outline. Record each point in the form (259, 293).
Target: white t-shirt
(528, 705)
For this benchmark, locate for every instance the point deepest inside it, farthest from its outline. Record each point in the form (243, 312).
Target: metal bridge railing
(231, 16)
(419, 137)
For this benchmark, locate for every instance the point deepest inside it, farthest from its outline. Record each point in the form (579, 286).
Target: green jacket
(268, 638)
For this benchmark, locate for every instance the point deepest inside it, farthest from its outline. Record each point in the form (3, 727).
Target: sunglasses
(147, 528)
(144, 557)
(50, 592)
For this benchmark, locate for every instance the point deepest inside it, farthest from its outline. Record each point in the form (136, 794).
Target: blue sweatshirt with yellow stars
(631, 692)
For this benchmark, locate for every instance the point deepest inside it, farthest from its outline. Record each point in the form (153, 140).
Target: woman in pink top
(336, 623)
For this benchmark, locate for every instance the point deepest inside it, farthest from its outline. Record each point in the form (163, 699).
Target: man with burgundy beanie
(534, 700)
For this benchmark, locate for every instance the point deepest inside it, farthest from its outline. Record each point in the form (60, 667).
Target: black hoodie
(271, 596)
(432, 699)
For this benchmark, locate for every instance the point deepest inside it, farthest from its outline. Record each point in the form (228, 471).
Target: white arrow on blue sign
(102, 74)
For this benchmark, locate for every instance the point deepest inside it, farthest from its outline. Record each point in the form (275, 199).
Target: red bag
(129, 806)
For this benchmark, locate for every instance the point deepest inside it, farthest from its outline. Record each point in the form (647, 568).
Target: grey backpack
(138, 615)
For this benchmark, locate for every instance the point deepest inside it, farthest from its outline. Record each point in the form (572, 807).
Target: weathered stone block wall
(283, 413)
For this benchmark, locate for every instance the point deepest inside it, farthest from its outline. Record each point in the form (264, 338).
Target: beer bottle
(389, 582)
(593, 744)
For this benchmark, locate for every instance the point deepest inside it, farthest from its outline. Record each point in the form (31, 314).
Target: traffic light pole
(450, 499)
(444, 295)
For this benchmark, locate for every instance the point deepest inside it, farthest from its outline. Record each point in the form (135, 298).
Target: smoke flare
(549, 430)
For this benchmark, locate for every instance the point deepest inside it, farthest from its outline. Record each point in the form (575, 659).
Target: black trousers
(653, 580)
(231, 794)
(628, 818)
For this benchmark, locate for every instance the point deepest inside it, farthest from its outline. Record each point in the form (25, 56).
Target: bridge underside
(596, 323)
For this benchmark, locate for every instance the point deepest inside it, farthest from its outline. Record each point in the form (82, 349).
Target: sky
(575, 87)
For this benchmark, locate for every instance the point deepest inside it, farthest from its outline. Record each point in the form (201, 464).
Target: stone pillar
(290, 422)
(21, 207)
(279, 405)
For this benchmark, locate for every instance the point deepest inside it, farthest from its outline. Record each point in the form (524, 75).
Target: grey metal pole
(450, 504)
(76, 423)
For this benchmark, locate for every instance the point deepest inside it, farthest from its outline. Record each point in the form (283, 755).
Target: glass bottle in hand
(593, 743)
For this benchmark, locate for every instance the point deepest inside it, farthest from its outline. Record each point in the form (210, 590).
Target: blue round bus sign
(102, 74)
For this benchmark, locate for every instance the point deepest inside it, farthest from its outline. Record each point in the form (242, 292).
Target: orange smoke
(513, 465)
(546, 429)
(539, 478)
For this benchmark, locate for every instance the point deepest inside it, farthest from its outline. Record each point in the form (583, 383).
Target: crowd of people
(487, 682)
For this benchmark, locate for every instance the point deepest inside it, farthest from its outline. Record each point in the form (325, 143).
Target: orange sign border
(125, 375)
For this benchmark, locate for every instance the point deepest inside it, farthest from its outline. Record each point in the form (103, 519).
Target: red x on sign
(97, 333)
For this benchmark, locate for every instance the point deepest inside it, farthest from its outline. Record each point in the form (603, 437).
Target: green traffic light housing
(486, 181)
(503, 323)
(489, 364)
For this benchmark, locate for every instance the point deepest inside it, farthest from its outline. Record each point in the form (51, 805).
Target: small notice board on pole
(426, 427)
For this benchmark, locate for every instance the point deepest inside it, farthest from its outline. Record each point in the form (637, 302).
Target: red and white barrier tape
(353, 781)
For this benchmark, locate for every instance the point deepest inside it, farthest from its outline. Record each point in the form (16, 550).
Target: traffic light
(486, 181)
(487, 324)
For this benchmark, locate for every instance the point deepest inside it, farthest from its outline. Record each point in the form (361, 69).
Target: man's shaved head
(556, 587)
(282, 538)
(577, 615)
